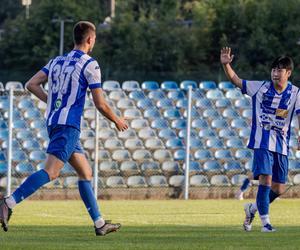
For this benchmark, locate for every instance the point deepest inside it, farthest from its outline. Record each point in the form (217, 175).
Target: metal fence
(181, 144)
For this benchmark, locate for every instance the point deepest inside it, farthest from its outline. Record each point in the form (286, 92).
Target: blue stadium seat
(197, 94)
(242, 103)
(212, 166)
(14, 85)
(178, 124)
(199, 181)
(115, 182)
(182, 133)
(182, 104)
(20, 124)
(220, 180)
(150, 168)
(214, 94)
(32, 114)
(31, 144)
(136, 181)
(194, 113)
(162, 155)
(199, 123)
(67, 170)
(186, 83)
(159, 123)
(109, 168)
(203, 155)
(37, 155)
(195, 143)
(238, 179)
(132, 113)
(130, 85)
(170, 168)
(139, 123)
(234, 94)
(141, 155)
(152, 113)
(176, 95)
(146, 133)
(233, 167)
(239, 123)
(244, 133)
(4, 104)
(24, 169)
(16, 114)
(15, 144)
(207, 85)
(230, 113)
(179, 155)
(294, 166)
(243, 155)
(174, 143)
(225, 85)
(150, 85)
(165, 103)
(145, 103)
(176, 180)
(157, 181)
(226, 133)
(3, 168)
(210, 113)
(223, 155)
(247, 114)
(167, 133)
(137, 95)
(194, 168)
(19, 155)
(207, 133)
(3, 124)
(172, 113)
(3, 133)
(2, 156)
(219, 123)
(214, 143)
(169, 85)
(248, 165)
(223, 103)
(203, 103)
(113, 144)
(234, 143)
(38, 124)
(134, 143)
(25, 104)
(111, 85)
(156, 95)
(129, 168)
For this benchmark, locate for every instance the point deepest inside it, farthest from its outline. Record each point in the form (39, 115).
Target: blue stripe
(46, 71)
(253, 129)
(244, 87)
(95, 85)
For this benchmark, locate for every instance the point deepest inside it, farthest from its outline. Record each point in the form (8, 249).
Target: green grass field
(172, 224)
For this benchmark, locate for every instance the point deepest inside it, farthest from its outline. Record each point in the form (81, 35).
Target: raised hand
(121, 124)
(225, 55)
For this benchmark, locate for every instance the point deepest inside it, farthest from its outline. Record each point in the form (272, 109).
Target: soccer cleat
(249, 217)
(239, 195)
(5, 213)
(268, 228)
(107, 228)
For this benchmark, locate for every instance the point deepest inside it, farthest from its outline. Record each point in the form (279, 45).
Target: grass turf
(172, 224)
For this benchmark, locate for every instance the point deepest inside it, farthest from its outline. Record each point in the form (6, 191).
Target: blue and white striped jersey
(69, 76)
(272, 114)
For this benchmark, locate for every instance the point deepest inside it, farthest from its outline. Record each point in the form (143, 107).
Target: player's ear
(289, 72)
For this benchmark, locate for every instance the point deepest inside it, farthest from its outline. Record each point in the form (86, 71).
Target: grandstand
(148, 159)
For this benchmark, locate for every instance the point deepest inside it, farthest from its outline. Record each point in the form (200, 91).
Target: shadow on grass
(147, 237)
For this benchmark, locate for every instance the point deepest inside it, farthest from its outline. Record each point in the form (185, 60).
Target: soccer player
(273, 105)
(68, 77)
(240, 193)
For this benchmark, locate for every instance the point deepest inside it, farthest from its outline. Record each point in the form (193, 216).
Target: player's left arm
(34, 85)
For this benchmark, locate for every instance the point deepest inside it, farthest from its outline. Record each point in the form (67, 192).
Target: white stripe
(258, 134)
(272, 140)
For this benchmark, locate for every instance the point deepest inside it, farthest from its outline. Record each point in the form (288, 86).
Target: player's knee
(53, 174)
(86, 175)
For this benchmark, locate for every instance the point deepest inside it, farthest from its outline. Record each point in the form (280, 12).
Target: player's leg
(246, 183)
(84, 171)
(52, 168)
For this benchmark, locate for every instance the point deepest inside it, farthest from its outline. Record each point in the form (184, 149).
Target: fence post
(187, 149)
(96, 153)
(9, 148)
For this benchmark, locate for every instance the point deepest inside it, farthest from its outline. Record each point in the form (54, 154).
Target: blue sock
(262, 199)
(87, 195)
(245, 185)
(30, 185)
(273, 196)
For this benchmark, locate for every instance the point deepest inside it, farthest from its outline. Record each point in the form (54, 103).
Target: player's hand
(225, 55)
(121, 124)
(298, 143)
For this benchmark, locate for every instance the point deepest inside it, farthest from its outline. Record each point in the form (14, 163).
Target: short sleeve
(297, 104)
(46, 68)
(251, 87)
(92, 74)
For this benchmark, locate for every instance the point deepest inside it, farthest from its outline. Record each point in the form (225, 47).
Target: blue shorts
(64, 141)
(266, 162)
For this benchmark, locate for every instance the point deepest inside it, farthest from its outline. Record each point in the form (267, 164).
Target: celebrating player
(68, 77)
(274, 103)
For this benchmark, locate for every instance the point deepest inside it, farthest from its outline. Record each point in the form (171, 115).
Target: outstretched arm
(103, 107)
(226, 58)
(34, 85)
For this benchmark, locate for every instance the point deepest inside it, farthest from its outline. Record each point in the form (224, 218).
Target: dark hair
(81, 30)
(283, 62)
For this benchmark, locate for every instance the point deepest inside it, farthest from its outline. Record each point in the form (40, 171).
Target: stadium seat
(247, 114)
(132, 113)
(182, 134)
(226, 85)
(233, 167)
(145, 103)
(14, 85)
(207, 133)
(234, 143)
(198, 94)
(219, 123)
(111, 85)
(239, 123)
(203, 103)
(41, 134)
(137, 95)
(248, 165)
(154, 143)
(234, 94)
(125, 104)
(146, 133)
(150, 85)
(19, 155)
(164, 103)
(113, 144)
(199, 124)
(223, 155)
(194, 113)
(296, 179)
(242, 103)
(106, 133)
(156, 95)
(214, 94)
(30, 145)
(115, 182)
(134, 143)
(178, 124)
(176, 95)
(243, 155)
(194, 168)
(84, 124)
(2, 86)
(169, 85)
(214, 143)
(203, 155)
(89, 114)
(15, 144)
(294, 166)
(139, 123)
(108, 168)
(14, 182)
(70, 182)
(159, 123)
(171, 113)
(182, 104)
(179, 155)
(238, 179)
(3, 168)
(103, 155)
(117, 95)
(67, 170)
(210, 114)
(2, 156)
(136, 181)
(89, 104)
(141, 155)
(152, 113)
(223, 103)
(89, 144)
(162, 155)
(176, 181)
(207, 85)
(174, 143)
(20, 124)
(127, 134)
(121, 155)
(212, 167)
(37, 155)
(244, 133)
(220, 180)
(167, 133)
(38, 124)
(16, 114)
(25, 104)
(87, 134)
(226, 133)
(24, 169)
(186, 83)
(150, 168)
(129, 168)
(230, 114)
(199, 181)
(130, 85)
(3, 133)
(157, 181)
(170, 168)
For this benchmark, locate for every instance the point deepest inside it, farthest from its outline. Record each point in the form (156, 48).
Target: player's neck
(280, 87)
(83, 48)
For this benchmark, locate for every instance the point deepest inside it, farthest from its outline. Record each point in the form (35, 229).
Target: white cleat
(249, 217)
(239, 195)
(268, 228)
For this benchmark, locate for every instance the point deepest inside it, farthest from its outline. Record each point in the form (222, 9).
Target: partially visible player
(68, 77)
(273, 105)
(240, 193)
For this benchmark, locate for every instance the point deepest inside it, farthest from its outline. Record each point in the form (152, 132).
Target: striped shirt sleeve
(92, 74)
(251, 87)
(46, 68)
(297, 104)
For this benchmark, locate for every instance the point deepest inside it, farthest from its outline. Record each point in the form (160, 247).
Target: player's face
(280, 76)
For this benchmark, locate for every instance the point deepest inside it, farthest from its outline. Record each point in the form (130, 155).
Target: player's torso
(67, 88)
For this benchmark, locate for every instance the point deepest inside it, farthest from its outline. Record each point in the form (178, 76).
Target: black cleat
(5, 213)
(107, 228)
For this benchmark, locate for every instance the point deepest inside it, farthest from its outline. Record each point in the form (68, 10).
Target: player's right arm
(226, 58)
(102, 105)
(34, 85)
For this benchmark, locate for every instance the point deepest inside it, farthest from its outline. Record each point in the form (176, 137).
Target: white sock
(99, 222)
(10, 201)
(253, 208)
(265, 219)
